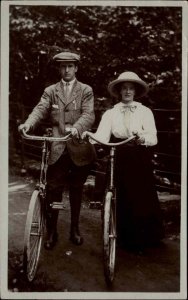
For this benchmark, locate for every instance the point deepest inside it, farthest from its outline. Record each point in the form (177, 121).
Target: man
(70, 106)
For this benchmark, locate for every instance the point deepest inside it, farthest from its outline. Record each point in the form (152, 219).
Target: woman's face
(127, 92)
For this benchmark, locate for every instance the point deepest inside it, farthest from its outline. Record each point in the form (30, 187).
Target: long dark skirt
(139, 221)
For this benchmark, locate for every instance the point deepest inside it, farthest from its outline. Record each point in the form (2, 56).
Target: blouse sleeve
(149, 128)
(104, 131)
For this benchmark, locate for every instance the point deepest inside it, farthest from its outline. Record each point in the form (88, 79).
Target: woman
(138, 213)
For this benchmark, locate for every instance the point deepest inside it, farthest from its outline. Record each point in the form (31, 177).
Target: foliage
(110, 39)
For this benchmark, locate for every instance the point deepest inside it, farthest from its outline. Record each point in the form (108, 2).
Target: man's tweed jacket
(76, 111)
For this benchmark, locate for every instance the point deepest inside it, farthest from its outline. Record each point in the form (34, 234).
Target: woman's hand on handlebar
(84, 135)
(139, 140)
(25, 127)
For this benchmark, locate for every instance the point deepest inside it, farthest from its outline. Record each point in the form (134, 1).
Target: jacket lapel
(60, 92)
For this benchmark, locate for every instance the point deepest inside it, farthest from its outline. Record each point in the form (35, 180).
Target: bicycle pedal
(57, 205)
(112, 236)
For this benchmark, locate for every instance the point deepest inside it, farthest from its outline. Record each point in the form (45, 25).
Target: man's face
(68, 70)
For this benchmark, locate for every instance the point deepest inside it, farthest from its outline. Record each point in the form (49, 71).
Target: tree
(111, 39)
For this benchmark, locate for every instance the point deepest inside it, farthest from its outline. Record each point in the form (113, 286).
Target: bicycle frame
(43, 170)
(109, 214)
(112, 156)
(41, 186)
(35, 221)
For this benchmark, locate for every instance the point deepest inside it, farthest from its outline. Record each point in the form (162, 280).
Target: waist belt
(129, 144)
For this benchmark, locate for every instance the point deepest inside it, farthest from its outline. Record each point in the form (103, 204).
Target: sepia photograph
(93, 148)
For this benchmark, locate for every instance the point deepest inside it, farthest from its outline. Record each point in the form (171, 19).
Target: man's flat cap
(66, 57)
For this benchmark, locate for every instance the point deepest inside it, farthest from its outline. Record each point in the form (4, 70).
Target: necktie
(66, 90)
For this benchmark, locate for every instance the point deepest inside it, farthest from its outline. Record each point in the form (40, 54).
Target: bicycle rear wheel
(109, 237)
(34, 230)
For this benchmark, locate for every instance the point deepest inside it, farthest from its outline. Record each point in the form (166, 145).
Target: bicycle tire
(33, 236)
(109, 238)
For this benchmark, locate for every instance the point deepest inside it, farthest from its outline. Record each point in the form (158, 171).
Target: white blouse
(122, 121)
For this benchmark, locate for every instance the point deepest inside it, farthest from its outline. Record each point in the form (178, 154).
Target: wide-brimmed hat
(66, 57)
(141, 86)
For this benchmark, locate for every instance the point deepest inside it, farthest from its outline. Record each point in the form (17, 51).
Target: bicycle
(35, 221)
(109, 214)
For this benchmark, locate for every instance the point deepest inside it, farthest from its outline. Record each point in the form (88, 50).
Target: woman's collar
(134, 103)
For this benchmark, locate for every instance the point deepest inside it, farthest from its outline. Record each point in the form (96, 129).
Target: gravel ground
(69, 268)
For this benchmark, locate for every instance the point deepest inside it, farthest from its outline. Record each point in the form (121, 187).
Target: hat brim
(66, 56)
(141, 87)
(67, 60)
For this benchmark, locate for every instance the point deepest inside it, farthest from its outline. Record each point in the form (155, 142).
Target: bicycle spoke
(109, 238)
(33, 244)
(33, 236)
(37, 211)
(32, 255)
(32, 261)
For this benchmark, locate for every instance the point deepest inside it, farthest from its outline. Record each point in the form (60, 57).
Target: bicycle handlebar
(46, 138)
(111, 144)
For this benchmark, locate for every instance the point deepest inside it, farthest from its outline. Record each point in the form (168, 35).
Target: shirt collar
(132, 103)
(70, 82)
(121, 104)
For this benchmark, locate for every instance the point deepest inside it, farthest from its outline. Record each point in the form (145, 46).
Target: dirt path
(70, 268)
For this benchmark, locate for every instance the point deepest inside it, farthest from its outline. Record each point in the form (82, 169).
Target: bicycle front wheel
(33, 236)
(109, 237)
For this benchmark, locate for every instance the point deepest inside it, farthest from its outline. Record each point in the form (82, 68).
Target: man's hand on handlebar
(74, 132)
(24, 127)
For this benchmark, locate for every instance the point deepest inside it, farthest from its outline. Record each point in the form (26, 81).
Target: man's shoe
(75, 237)
(51, 241)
